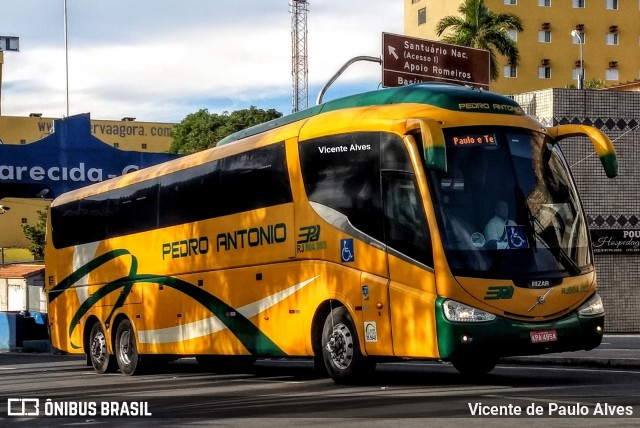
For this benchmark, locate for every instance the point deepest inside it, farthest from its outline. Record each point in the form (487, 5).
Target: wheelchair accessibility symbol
(346, 250)
(516, 237)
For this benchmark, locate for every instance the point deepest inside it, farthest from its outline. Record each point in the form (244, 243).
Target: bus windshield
(507, 206)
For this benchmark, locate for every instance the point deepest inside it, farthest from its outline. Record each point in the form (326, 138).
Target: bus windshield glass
(508, 207)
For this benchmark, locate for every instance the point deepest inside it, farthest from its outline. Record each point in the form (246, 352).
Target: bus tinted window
(187, 194)
(242, 182)
(508, 207)
(88, 215)
(133, 208)
(254, 179)
(343, 173)
(406, 226)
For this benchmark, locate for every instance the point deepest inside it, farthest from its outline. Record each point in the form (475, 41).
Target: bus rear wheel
(126, 350)
(341, 352)
(101, 361)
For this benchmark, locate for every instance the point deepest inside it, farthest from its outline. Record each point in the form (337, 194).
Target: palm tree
(480, 28)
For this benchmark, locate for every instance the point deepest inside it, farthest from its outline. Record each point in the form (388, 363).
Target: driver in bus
(495, 230)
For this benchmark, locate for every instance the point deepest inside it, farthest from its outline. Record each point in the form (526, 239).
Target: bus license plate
(544, 336)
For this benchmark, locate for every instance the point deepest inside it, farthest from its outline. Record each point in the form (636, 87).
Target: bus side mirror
(601, 143)
(434, 150)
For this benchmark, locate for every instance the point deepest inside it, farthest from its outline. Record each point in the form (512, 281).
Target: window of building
(513, 34)
(22, 141)
(545, 3)
(611, 74)
(575, 73)
(578, 3)
(23, 220)
(510, 2)
(116, 145)
(576, 40)
(544, 36)
(422, 16)
(510, 71)
(544, 72)
(612, 4)
(144, 146)
(612, 39)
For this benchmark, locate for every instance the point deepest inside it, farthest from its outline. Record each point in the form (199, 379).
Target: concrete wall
(609, 203)
(19, 294)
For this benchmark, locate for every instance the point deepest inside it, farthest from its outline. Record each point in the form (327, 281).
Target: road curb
(629, 363)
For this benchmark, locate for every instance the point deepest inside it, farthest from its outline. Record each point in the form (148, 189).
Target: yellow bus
(357, 231)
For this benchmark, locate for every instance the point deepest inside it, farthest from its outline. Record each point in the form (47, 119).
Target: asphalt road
(287, 393)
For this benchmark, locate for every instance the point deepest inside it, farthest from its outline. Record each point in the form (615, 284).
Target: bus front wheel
(126, 351)
(475, 365)
(101, 361)
(341, 352)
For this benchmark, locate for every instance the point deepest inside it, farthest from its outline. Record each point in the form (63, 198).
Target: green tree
(36, 235)
(202, 130)
(590, 84)
(479, 28)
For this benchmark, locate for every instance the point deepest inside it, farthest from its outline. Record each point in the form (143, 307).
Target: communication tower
(299, 64)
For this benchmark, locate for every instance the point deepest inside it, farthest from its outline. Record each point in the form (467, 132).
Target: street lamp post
(3, 209)
(576, 33)
(66, 55)
(7, 43)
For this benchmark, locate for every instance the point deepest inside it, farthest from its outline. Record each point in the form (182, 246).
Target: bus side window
(406, 228)
(342, 172)
(394, 154)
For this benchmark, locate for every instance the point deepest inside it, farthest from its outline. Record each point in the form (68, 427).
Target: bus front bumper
(503, 337)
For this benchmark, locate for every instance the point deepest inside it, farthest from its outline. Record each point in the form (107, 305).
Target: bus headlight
(459, 312)
(593, 306)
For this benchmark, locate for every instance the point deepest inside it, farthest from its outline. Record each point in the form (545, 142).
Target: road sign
(407, 60)
(9, 43)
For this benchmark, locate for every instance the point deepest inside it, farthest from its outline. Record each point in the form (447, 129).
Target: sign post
(7, 43)
(407, 60)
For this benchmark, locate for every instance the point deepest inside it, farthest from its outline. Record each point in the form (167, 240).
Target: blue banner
(68, 159)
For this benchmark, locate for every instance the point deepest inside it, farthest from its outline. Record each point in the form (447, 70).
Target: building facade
(22, 288)
(126, 134)
(550, 55)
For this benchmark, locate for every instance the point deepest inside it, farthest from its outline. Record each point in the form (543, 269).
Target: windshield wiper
(532, 222)
(556, 250)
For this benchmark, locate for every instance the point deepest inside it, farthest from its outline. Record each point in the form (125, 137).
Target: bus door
(410, 258)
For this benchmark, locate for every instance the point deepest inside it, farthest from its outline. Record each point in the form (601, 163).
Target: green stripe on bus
(251, 337)
(86, 269)
(446, 96)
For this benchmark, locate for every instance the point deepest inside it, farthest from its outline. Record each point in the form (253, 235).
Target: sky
(159, 60)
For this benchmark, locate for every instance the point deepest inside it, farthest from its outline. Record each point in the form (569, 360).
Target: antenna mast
(299, 63)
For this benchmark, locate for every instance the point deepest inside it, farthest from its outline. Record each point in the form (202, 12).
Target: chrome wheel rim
(126, 347)
(99, 348)
(340, 347)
